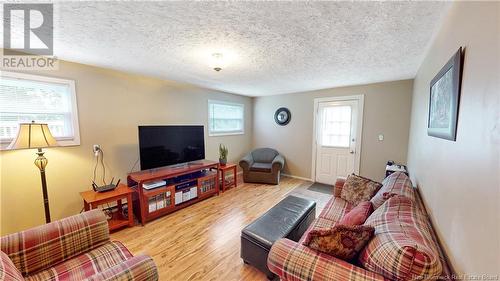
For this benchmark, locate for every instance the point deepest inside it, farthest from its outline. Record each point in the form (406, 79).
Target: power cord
(135, 164)
(95, 166)
(103, 167)
(99, 159)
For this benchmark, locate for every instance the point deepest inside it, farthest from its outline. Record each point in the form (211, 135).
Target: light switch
(380, 137)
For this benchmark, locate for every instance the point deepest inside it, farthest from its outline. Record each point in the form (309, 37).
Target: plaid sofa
(74, 248)
(292, 261)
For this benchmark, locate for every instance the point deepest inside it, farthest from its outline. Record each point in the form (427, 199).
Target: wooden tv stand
(153, 203)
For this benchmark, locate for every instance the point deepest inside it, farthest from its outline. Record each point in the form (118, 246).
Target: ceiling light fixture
(217, 61)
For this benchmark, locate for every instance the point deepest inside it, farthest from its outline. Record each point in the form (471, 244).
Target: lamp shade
(33, 135)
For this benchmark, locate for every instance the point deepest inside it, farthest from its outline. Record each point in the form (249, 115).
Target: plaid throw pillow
(357, 189)
(341, 241)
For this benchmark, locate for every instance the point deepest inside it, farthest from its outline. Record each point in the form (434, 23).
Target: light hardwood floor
(202, 242)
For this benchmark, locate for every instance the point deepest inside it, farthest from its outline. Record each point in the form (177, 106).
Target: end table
(92, 200)
(224, 169)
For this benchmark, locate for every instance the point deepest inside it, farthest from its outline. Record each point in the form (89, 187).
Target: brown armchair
(262, 165)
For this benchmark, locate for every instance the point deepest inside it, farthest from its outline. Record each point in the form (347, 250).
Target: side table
(92, 200)
(229, 167)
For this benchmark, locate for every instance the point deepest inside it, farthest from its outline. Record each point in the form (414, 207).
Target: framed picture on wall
(444, 99)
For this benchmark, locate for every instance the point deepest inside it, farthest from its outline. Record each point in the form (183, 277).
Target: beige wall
(460, 180)
(111, 105)
(386, 111)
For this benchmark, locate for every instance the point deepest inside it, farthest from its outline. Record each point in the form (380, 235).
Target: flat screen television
(169, 145)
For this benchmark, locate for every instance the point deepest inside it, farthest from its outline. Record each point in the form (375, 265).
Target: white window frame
(226, 133)
(73, 141)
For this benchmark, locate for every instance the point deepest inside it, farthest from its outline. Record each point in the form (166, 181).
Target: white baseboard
(285, 175)
(296, 177)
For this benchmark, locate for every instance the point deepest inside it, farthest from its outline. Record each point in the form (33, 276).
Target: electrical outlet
(96, 148)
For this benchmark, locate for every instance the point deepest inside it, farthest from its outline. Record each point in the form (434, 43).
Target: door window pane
(336, 126)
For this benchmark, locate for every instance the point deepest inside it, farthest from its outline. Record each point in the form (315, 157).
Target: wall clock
(282, 116)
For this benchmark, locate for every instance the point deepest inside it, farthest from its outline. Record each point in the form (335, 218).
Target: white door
(336, 139)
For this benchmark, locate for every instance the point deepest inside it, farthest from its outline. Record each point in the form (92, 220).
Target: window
(225, 118)
(336, 125)
(25, 98)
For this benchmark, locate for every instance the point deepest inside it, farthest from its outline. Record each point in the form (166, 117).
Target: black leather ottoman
(290, 218)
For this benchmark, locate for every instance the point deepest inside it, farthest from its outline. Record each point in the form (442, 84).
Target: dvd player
(154, 184)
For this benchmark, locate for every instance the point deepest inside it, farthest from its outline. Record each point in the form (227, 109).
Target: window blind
(25, 100)
(225, 118)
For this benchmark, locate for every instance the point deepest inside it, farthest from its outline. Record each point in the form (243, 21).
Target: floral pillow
(341, 241)
(357, 189)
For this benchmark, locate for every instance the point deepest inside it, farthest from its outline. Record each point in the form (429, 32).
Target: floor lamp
(36, 135)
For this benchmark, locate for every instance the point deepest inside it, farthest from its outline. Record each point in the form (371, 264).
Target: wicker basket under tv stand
(204, 172)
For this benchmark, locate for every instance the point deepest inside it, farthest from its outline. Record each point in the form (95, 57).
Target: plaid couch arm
(8, 272)
(41, 247)
(137, 268)
(292, 261)
(337, 190)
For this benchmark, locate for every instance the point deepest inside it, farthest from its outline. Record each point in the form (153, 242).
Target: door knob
(352, 151)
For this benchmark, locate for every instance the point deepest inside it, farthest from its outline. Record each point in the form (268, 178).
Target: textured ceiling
(268, 47)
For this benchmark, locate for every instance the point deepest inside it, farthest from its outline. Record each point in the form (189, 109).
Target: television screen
(169, 145)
